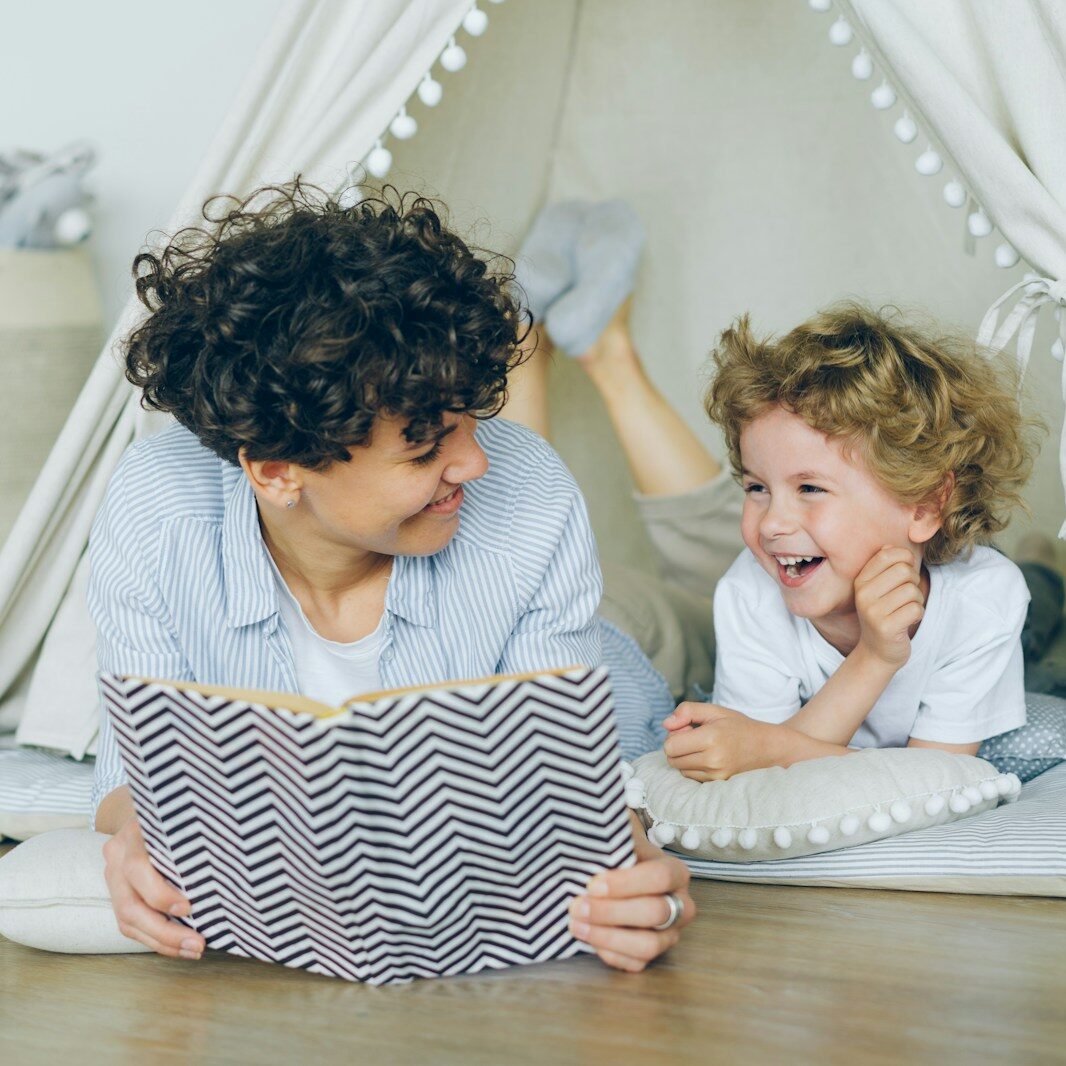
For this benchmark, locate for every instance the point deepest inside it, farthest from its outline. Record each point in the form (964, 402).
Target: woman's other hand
(617, 915)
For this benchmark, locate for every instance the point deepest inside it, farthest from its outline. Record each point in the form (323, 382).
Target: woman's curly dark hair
(290, 322)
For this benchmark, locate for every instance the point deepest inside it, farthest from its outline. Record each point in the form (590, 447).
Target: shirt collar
(251, 594)
(411, 593)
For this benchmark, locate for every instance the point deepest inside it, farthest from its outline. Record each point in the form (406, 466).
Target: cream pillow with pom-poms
(813, 806)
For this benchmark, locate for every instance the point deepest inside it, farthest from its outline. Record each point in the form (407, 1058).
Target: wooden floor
(767, 975)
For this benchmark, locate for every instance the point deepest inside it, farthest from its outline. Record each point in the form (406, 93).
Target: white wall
(146, 83)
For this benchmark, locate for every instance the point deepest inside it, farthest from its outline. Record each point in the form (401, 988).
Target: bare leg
(527, 385)
(665, 457)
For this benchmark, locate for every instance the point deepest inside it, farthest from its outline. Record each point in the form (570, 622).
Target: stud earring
(290, 504)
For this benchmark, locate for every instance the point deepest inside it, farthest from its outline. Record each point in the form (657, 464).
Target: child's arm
(889, 601)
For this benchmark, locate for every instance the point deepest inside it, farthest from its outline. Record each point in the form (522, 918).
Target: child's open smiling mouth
(794, 570)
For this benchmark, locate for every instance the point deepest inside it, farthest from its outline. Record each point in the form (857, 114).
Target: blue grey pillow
(1034, 747)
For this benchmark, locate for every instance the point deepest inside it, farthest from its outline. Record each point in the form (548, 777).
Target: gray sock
(606, 257)
(544, 266)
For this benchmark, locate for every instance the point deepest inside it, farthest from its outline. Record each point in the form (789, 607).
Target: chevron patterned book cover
(413, 833)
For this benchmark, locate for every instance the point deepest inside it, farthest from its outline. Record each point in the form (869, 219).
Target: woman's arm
(132, 638)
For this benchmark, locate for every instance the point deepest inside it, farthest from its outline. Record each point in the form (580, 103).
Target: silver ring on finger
(677, 908)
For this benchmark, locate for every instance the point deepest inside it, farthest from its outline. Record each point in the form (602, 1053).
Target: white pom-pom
(978, 223)
(476, 22)
(782, 837)
(1015, 784)
(934, 805)
(379, 162)
(1003, 784)
(72, 226)
(634, 794)
(954, 194)
(973, 795)
(627, 771)
(929, 163)
(430, 91)
(849, 825)
(403, 127)
(905, 129)
(690, 839)
(1005, 256)
(665, 833)
(1058, 350)
(350, 197)
(722, 838)
(821, 6)
(818, 834)
(959, 803)
(840, 33)
(862, 66)
(900, 812)
(883, 97)
(879, 821)
(453, 58)
(747, 839)
(988, 790)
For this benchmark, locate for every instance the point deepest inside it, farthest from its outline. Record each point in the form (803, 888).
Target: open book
(412, 833)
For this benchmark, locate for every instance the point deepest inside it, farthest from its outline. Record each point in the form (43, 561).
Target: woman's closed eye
(754, 487)
(427, 457)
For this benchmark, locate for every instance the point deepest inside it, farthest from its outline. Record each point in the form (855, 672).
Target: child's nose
(777, 520)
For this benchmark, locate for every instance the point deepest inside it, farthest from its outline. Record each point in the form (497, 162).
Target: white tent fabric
(988, 81)
(329, 79)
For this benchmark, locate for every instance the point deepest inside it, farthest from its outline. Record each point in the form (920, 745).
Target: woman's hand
(617, 915)
(142, 898)
(722, 742)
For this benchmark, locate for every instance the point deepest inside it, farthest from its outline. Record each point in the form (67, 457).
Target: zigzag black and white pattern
(422, 835)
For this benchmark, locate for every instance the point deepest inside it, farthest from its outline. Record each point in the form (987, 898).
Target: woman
(334, 513)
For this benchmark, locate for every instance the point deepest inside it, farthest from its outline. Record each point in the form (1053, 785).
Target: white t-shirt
(327, 670)
(962, 683)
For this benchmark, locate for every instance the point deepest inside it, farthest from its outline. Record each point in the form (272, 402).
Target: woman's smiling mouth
(446, 504)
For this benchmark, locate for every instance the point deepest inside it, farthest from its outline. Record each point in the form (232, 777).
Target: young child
(867, 610)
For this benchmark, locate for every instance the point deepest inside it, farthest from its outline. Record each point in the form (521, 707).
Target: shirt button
(386, 655)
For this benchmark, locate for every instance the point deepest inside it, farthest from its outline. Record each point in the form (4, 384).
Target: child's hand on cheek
(721, 742)
(889, 601)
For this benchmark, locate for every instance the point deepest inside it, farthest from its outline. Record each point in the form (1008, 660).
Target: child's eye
(810, 488)
(428, 457)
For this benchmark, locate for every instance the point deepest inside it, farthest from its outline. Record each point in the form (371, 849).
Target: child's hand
(888, 598)
(721, 743)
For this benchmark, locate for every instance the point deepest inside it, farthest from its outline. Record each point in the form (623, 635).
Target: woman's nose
(468, 460)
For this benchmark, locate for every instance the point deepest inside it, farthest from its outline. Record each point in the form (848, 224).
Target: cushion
(1014, 850)
(53, 895)
(814, 806)
(1034, 747)
(40, 791)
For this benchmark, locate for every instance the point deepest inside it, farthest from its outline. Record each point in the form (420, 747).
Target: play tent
(977, 100)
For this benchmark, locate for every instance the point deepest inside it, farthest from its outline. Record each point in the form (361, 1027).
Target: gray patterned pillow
(1034, 747)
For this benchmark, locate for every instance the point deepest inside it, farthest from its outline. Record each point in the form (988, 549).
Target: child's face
(804, 497)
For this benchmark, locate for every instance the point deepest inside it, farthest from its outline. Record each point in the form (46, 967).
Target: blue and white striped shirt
(180, 585)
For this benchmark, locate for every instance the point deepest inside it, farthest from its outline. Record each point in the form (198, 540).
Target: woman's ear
(928, 515)
(273, 480)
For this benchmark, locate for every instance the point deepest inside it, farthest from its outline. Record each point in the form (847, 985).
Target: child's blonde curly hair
(917, 406)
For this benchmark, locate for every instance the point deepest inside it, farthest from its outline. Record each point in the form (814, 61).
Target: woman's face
(394, 497)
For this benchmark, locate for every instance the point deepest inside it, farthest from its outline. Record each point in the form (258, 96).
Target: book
(413, 833)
